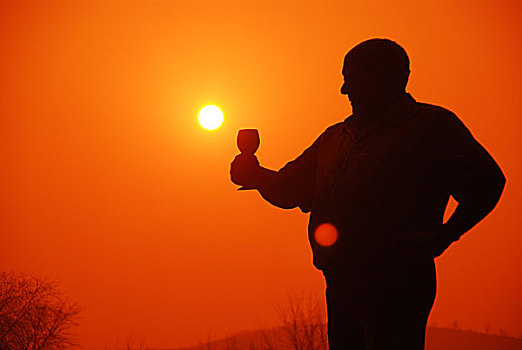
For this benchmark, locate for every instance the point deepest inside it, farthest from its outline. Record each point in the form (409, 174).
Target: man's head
(375, 71)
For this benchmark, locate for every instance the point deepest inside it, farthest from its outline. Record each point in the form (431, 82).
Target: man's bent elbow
(500, 183)
(494, 187)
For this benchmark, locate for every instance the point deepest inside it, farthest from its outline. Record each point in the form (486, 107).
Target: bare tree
(302, 327)
(34, 315)
(304, 322)
(211, 341)
(129, 340)
(231, 343)
(266, 341)
(253, 344)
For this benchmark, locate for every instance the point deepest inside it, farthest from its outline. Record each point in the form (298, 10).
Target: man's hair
(382, 55)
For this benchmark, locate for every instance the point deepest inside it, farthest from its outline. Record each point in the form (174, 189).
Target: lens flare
(210, 117)
(326, 235)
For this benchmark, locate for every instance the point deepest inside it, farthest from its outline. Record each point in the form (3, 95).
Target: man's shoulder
(437, 116)
(331, 131)
(337, 127)
(432, 110)
(441, 123)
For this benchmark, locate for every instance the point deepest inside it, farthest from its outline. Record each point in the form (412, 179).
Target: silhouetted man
(382, 178)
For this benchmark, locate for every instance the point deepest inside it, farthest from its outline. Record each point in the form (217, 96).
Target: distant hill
(437, 339)
(453, 339)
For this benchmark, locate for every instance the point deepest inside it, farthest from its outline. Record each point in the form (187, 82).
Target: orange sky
(109, 185)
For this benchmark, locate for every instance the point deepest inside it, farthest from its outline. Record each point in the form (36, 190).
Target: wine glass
(248, 141)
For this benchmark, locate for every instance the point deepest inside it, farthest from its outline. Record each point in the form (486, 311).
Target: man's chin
(361, 107)
(355, 108)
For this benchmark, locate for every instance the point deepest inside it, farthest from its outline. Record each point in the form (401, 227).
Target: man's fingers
(234, 170)
(238, 169)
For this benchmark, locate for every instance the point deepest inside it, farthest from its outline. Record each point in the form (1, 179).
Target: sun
(210, 117)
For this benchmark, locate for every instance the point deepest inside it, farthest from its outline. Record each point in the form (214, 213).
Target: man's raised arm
(291, 186)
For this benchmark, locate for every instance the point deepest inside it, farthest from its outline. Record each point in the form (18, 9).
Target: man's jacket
(376, 182)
